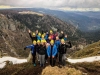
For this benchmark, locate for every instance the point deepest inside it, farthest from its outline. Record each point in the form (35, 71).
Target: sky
(53, 4)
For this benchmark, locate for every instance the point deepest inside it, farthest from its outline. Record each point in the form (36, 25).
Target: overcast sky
(52, 3)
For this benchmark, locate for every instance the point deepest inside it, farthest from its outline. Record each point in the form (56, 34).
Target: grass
(60, 71)
(90, 50)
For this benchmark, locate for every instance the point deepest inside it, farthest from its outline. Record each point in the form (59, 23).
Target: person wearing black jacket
(42, 52)
(62, 35)
(34, 37)
(62, 52)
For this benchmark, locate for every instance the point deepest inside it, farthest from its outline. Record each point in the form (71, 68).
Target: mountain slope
(13, 38)
(90, 50)
(14, 27)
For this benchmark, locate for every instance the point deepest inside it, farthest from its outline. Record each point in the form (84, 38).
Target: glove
(25, 48)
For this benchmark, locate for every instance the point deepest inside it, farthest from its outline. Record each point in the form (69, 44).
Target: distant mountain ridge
(86, 21)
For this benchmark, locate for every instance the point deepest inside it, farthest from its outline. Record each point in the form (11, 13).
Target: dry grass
(60, 71)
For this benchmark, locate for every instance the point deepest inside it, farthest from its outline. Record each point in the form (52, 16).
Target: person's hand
(65, 36)
(29, 31)
(25, 48)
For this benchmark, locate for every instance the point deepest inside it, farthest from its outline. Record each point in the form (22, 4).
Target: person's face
(38, 43)
(47, 33)
(34, 43)
(62, 42)
(44, 34)
(62, 32)
(57, 38)
(43, 43)
(36, 31)
(49, 38)
(52, 44)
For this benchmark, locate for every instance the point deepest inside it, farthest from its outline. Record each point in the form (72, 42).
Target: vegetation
(29, 69)
(90, 50)
(60, 71)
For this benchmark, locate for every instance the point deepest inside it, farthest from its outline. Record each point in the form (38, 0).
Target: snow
(18, 61)
(87, 59)
(2, 64)
(12, 59)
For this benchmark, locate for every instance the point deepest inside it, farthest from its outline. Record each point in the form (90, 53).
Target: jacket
(63, 48)
(33, 38)
(38, 37)
(61, 36)
(57, 43)
(33, 48)
(54, 51)
(41, 49)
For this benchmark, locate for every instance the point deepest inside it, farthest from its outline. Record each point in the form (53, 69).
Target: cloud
(52, 3)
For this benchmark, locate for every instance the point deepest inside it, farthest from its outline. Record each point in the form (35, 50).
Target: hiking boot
(41, 65)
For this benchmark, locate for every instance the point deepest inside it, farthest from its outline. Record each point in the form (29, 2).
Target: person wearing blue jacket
(39, 36)
(33, 51)
(51, 52)
(57, 43)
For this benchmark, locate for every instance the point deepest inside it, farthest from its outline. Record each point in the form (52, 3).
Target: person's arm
(30, 34)
(30, 46)
(70, 45)
(55, 52)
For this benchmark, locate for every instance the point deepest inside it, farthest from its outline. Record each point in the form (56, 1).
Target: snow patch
(2, 64)
(11, 59)
(88, 59)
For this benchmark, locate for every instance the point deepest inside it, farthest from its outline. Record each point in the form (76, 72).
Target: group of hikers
(48, 45)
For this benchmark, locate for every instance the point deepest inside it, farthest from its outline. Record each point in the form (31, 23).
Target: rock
(29, 57)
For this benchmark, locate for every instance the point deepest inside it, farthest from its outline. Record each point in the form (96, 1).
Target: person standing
(37, 50)
(57, 43)
(62, 35)
(33, 51)
(51, 52)
(62, 52)
(42, 52)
